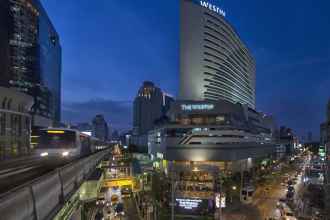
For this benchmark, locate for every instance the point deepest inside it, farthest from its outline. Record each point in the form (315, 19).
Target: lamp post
(173, 188)
(234, 188)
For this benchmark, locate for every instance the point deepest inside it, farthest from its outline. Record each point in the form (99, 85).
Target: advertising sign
(217, 201)
(194, 206)
(192, 107)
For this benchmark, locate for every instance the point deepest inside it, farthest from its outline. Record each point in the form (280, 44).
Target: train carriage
(66, 143)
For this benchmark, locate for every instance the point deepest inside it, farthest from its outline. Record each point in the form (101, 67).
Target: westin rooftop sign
(212, 8)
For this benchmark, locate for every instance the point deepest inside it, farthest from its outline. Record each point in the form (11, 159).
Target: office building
(100, 128)
(325, 127)
(214, 62)
(211, 131)
(150, 104)
(115, 136)
(213, 127)
(15, 123)
(288, 140)
(30, 57)
(202, 138)
(325, 143)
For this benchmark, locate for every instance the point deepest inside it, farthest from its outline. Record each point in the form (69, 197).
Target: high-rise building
(325, 127)
(30, 57)
(214, 62)
(287, 139)
(100, 128)
(15, 123)
(325, 142)
(115, 135)
(213, 127)
(149, 105)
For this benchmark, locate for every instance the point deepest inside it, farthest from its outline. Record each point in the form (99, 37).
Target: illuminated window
(220, 119)
(2, 124)
(185, 121)
(197, 120)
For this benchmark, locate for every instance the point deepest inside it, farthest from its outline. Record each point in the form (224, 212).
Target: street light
(234, 187)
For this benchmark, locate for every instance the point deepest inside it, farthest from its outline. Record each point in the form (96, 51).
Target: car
(279, 205)
(289, 216)
(126, 192)
(119, 209)
(291, 189)
(283, 200)
(99, 216)
(289, 195)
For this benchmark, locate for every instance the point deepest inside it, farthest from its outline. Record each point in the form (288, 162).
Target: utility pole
(173, 186)
(242, 182)
(218, 189)
(220, 208)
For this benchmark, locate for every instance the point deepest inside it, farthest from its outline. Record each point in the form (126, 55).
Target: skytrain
(66, 143)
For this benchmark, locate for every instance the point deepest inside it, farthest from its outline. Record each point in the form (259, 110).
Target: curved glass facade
(214, 63)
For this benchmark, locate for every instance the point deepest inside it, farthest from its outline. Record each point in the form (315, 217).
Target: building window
(185, 121)
(19, 121)
(2, 150)
(210, 120)
(9, 104)
(197, 120)
(13, 125)
(4, 103)
(2, 124)
(220, 119)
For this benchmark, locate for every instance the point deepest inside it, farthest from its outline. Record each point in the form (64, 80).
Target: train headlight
(65, 154)
(44, 154)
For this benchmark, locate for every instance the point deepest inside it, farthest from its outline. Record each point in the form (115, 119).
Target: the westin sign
(193, 107)
(212, 7)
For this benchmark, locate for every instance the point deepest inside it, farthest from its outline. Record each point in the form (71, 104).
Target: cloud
(117, 113)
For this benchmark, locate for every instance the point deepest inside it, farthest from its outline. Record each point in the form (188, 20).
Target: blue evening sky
(111, 46)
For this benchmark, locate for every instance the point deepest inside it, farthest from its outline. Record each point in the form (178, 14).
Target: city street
(267, 198)
(270, 197)
(118, 203)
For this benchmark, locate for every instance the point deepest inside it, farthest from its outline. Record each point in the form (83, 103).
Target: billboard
(194, 206)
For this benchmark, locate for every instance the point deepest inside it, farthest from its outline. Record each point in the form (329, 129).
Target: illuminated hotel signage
(189, 203)
(193, 107)
(213, 7)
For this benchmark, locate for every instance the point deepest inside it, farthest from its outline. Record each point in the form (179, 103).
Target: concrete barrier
(17, 206)
(68, 177)
(47, 193)
(40, 199)
(80, 172)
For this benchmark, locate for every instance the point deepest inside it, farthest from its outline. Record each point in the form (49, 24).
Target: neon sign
(212, 7)
(186, 107)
